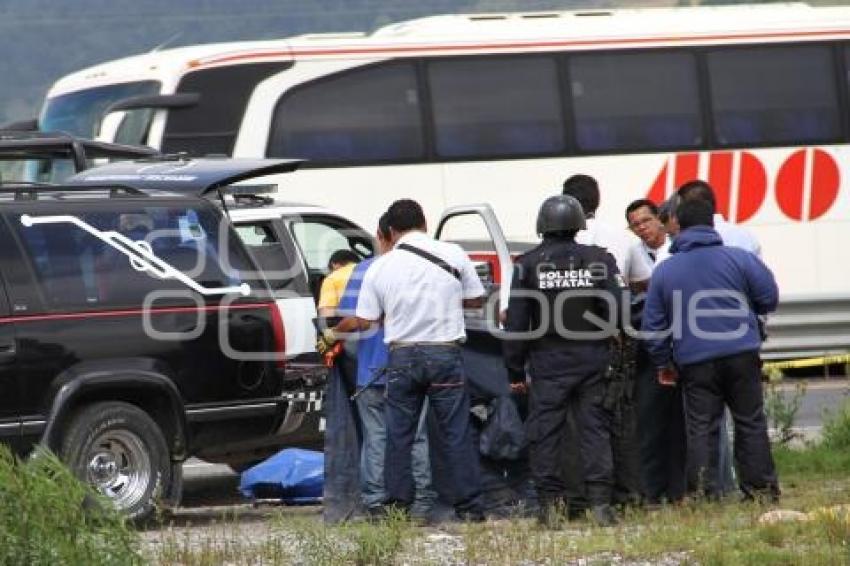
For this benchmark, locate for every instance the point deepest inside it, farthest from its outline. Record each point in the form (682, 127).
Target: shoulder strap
(439, 262)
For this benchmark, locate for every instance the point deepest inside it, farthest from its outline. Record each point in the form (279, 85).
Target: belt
(397, 345)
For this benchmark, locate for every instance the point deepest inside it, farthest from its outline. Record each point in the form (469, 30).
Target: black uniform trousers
(736, 381)
(553, 389)
(625, 451)
(661, 425)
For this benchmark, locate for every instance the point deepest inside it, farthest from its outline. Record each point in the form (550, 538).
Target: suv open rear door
(179, 174)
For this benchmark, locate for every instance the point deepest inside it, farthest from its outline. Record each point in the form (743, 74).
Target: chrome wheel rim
(119, 467)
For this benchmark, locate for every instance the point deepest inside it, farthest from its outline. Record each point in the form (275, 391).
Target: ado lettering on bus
(805, 187)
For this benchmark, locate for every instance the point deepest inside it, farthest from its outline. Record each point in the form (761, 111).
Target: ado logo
(805, 188)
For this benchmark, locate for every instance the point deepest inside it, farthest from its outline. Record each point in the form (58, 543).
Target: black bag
(503, 433)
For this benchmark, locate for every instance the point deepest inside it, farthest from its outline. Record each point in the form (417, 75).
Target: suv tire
(119, 450)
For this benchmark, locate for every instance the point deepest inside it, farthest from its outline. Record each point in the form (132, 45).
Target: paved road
(206, 484)
(821, 395)
(214, 485)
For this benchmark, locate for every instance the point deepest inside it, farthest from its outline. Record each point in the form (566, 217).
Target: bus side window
(774, 95)
(362, 115)
(635, 101)
(211, 125)
(496, 106)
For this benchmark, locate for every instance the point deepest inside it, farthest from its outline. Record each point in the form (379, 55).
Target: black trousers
(550, 398)
(625, 450)
(736, 381)
(661, 426)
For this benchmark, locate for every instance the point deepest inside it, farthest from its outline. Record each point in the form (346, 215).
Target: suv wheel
(119, 450)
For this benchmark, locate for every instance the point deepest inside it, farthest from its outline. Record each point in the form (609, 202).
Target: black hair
(698, 190)
(668, 208)
(342, 257)
(694, 212)
(584, 189)
(384, 226)
(404, 215)
(640, 203)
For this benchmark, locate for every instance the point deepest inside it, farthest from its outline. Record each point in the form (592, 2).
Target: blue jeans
(371, 407)
(435, 372)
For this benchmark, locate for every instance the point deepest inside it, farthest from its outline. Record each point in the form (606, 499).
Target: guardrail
(808, 326)
(802, 326)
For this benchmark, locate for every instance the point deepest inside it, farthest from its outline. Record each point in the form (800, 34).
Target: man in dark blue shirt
(702, 307)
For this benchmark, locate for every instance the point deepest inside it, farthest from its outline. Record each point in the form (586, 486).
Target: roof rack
(32, 191)
(26, 145)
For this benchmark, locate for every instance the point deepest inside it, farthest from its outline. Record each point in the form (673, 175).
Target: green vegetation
(47, 517)
(782, 408)
(815, 481)
(836, 428)
(693, 533)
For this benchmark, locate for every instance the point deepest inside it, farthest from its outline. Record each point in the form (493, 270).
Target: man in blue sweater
(702, 307)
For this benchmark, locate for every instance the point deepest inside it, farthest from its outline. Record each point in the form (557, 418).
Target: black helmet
(560, 213)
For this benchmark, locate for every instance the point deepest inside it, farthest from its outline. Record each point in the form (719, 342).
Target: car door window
(318, 237)
(275, 255)
(476, 229)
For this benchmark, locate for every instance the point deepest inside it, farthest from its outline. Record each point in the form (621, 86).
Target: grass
(815, 479)
(728, 533)
(47, 517)
(697, 532)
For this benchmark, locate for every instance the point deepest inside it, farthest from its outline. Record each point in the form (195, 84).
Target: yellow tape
(808, 362)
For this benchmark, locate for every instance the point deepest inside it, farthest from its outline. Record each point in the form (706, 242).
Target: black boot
(552, 513)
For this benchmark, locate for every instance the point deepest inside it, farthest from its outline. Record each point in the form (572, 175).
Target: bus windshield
(79, 113)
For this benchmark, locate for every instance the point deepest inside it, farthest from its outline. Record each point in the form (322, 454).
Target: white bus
(501, 108)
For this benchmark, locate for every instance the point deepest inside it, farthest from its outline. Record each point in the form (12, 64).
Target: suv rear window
(77, 270)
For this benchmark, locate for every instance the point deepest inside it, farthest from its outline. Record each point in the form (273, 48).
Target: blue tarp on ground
(292, 475)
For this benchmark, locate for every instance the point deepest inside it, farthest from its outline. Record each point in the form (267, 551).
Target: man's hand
(326, 341)
(517, 382)
(668, 377)
(519, 388)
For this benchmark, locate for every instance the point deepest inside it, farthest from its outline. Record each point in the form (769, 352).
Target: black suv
(135, 330)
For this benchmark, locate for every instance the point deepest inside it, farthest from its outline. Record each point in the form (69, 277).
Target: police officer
(556, 287)
(620, 386)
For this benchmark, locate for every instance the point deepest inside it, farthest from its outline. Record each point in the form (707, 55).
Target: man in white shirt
(661, 417)
(617, 241)
(652, 246)
(420, 289)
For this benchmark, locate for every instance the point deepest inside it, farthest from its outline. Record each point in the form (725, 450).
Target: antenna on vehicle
(165, 43)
